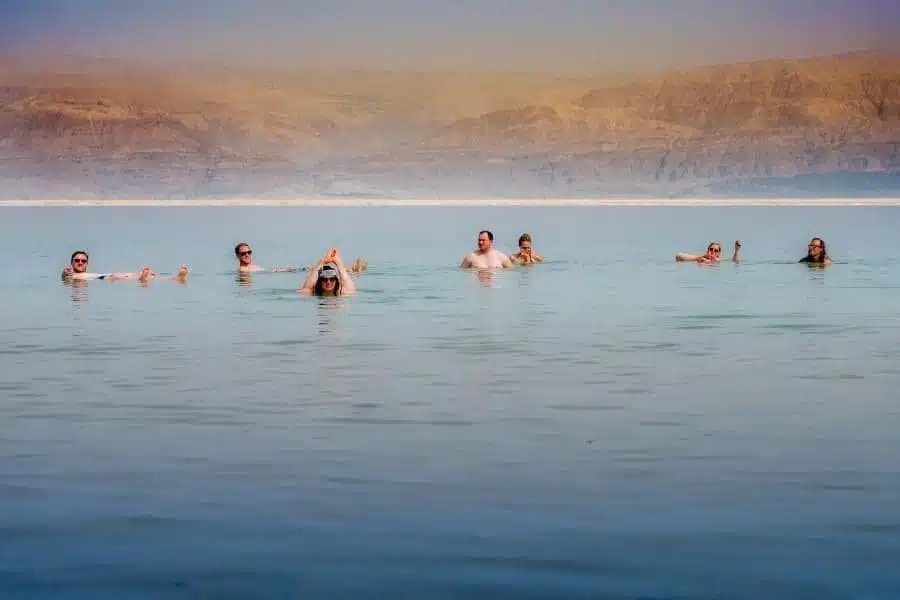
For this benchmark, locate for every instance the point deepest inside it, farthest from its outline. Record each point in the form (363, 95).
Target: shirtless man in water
(486, 257)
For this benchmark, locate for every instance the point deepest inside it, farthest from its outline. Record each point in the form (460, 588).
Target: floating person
(244, 255)
(78, 264)
(328, 278)
(77, 268)
(526, 254)
(486, 256)
(713, 254)
(816, 253)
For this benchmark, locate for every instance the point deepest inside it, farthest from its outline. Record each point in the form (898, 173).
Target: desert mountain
(116, 127)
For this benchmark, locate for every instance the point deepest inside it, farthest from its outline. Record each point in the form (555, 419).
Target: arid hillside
(121, 128)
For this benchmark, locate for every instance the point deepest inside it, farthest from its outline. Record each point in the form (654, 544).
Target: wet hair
(525, 237)
(318, 289)
(76, 253)
(237, 249)
(488, 233)
(822, 256)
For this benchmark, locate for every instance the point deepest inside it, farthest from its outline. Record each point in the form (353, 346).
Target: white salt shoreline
(362, 202)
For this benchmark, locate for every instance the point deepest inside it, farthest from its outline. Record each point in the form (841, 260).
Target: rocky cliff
(123, 129)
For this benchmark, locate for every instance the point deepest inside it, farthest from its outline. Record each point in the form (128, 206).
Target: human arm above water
(347, 285)
(309, 283)
(332, 258)
(526, 257)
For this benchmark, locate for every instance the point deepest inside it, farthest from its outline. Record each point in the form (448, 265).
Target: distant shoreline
(361, 202)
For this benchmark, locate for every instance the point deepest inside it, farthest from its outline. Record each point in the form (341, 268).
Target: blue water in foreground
(609, 424)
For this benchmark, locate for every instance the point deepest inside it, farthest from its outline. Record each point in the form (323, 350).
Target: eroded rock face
(661, 135)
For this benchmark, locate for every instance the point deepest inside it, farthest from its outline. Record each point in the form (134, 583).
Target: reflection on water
(79, 291)
(604, 425)
(329, 310)
(486, 277)
(244, 279)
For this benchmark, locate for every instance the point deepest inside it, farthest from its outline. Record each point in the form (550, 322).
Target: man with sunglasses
(244, 256)
(77, 268)
(713, 254)
(78, 264)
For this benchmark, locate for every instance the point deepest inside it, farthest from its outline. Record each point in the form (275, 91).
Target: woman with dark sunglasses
(328, 278)
(713, 254)
(816, 253)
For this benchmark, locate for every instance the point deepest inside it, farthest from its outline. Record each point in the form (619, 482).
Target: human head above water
(816, 250)
(243, 253)
(79, 261)
(714, 250)
(485, 240)
(328, 282)
(525, 242)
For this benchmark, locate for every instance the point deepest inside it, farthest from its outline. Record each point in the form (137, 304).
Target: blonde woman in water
(713, 254)
(526, 254)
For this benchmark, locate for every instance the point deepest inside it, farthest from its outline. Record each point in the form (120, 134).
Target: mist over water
(606, 424)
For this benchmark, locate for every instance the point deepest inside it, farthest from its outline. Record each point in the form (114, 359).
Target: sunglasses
(79, 261)
(245, 253)
(326, 277)
(815, 245)
(715, 250)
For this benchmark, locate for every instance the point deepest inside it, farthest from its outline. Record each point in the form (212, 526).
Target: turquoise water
(609, 424)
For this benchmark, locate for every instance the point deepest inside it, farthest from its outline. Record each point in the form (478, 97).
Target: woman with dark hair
(328, 278)
(816, 253)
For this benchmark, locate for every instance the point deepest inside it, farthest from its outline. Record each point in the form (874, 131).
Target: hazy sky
(570, 35)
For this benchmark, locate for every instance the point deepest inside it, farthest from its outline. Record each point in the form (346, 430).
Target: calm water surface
(606, 425)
